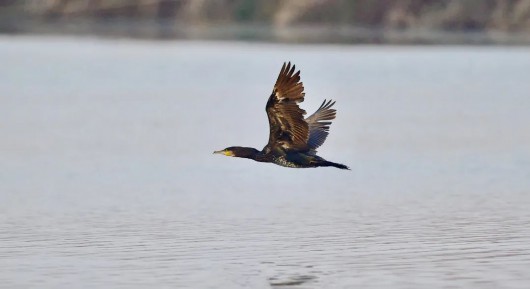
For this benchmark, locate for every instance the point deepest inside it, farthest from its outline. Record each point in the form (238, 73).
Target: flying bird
(293, 139)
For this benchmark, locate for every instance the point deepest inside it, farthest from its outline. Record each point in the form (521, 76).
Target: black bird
(293, 140)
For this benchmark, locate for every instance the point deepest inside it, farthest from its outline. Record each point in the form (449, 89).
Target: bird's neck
(247, 153)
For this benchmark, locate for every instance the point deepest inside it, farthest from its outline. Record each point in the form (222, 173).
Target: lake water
(107, 178)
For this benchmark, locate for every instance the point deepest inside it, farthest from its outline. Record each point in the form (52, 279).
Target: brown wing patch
(288, 129)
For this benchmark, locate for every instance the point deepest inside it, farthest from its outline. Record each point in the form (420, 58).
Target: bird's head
(227, 152)
(240, 152)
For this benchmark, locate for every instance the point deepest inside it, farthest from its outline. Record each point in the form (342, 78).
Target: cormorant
(293, 140)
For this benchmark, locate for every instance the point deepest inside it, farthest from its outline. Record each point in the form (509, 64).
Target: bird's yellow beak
(224, 152)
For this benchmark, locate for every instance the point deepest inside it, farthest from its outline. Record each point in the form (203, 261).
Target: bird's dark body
(293, 139)
(284, 159)
(294, 160)
(287, 159)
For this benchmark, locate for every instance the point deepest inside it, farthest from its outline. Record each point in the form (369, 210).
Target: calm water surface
(107, 178)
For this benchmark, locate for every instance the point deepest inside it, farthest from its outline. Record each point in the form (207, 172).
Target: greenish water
(107, 178)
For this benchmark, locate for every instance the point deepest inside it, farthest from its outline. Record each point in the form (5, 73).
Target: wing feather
(288, 129)
(319, 123)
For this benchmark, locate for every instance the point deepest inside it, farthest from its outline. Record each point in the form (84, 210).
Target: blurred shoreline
(452, 22)
(303, 34)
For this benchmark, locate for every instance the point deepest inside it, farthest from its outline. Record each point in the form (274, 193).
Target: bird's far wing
(288, 129)
(319, 123)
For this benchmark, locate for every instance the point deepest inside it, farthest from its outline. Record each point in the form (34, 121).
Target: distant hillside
(354, 20)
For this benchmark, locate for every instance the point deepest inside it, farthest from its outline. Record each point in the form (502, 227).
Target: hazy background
(110, 112)
(321, 21)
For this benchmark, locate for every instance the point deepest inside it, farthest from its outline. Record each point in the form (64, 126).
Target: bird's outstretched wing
(288, 129)
(319, 123)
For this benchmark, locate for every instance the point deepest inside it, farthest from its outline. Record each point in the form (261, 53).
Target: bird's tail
(332, 164)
